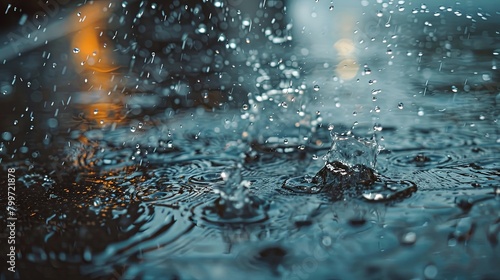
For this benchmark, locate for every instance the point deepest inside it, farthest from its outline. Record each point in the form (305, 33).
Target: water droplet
(377, 127)
(314, 157)
(97, 202)
(140, 125)
(330, 127)
(76, 50)
(430, 271)
(133, 129)
(285, 141)
(377, 109)
(420, 112)
(96, 111)
(379, 14)
(316, 87)
(331, 8)
(400, 105)
(284, 104)
(244, 107)
(409, 238)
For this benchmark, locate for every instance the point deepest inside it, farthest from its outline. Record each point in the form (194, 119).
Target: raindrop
(316, 88)
(400, 105)
(133, 129)
(420, 112)
(377, 127)
(430, 271)
(409, 238)
(332, 7)
(379, 14)
(76, 50)
(140, 125)
(285, 141)
(377, 109)
(330, 127)
(96, 111)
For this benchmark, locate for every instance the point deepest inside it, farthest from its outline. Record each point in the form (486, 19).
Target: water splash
(349, 171)
(235, 203)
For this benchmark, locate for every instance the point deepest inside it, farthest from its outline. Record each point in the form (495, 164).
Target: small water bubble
(400, 105)
(96, 111)
(454, 89)
(409, 238)
(420, 112)
(170, 144)
(331, 127)
(326, 241)
(285, 141)
(284, 104)
(302, 147)
(54, 65)
(377, 109)
(430, 271)
(76, 50)
(314, 157)
(133, 129)
(244, 107)
(377, 127)
(379, 14)
(316, 87)
(354, 113)
(140, 125)
(331, 8)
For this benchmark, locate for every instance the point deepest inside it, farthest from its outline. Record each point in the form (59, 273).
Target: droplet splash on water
(349, 171)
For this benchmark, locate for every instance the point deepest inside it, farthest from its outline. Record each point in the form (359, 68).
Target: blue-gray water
(243, 140)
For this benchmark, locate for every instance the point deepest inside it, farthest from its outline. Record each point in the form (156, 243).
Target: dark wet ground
(134, 185)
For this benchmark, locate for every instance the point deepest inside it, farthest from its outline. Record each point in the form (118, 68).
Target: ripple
(421, 159)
